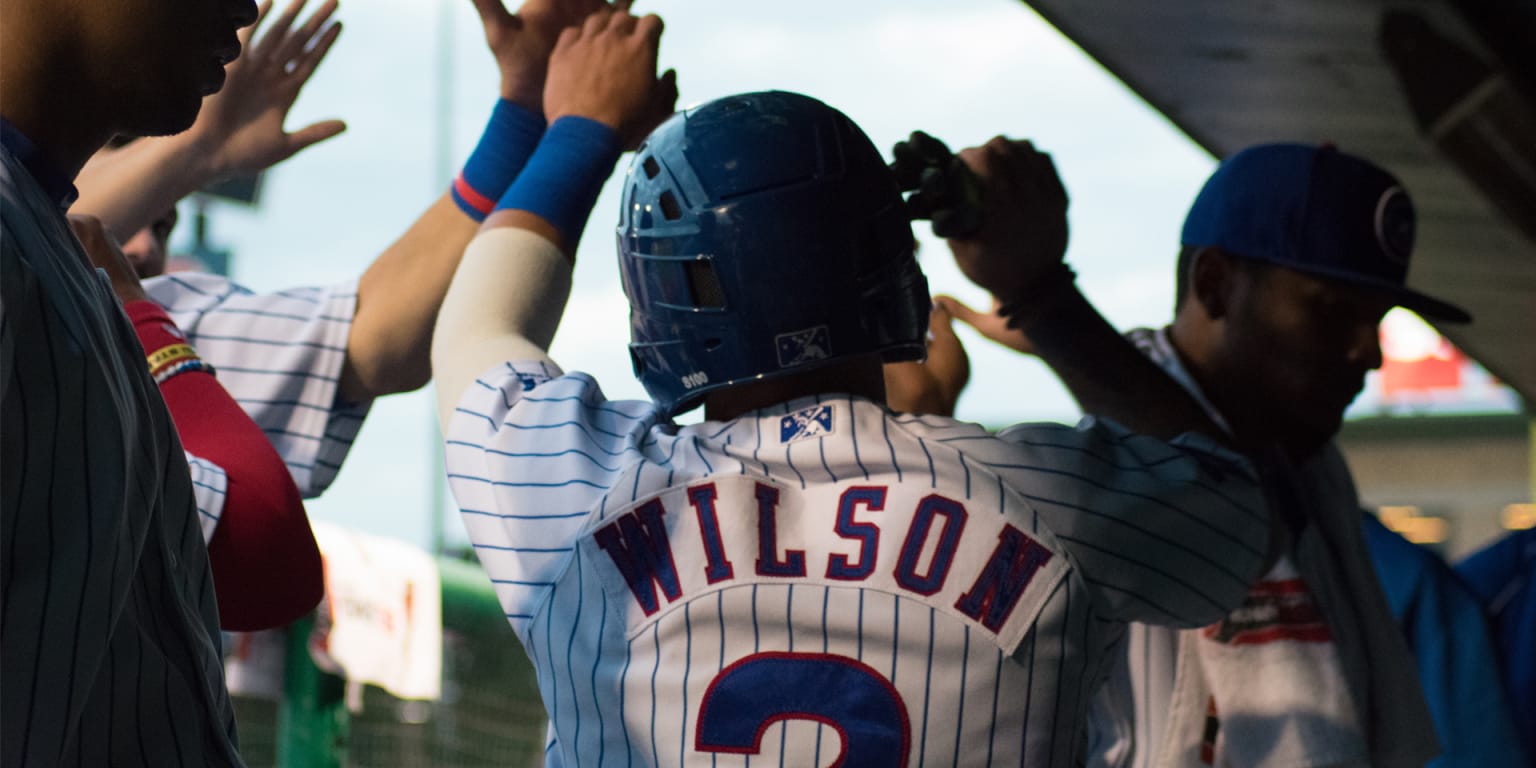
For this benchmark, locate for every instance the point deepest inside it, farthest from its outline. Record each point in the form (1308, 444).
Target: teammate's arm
(932, 385)
(400, 294)
(1017, 256)
(239, 129)
(1165, 532)
(506, 299)
(265, 562)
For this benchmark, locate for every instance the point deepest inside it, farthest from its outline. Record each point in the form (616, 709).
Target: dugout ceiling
(1438, 91)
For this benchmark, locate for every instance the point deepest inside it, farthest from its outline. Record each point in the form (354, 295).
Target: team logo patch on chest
(805, 423)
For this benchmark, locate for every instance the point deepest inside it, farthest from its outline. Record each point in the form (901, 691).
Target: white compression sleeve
(504, 304)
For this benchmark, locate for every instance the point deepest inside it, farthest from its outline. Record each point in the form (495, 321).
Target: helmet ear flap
(637, 362)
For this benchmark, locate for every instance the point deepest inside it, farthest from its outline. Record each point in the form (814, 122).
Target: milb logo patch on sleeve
(815, 421)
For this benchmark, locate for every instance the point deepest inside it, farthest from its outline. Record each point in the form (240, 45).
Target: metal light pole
(442, 170)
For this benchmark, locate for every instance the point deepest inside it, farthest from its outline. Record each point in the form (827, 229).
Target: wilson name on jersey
(680, 545)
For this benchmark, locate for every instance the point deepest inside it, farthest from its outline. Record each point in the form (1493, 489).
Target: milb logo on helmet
(800, 347)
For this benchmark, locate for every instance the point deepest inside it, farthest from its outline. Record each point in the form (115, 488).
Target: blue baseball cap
(1315, 210)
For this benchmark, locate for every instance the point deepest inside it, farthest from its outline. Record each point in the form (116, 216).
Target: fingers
(244, 33)
(649, 26)
(492, 13)
(595, 23)
(1017, 167)
(606, 71)
(1049, 178)
(309, 60)
(990, 325)
(959, 309)
(88, 229)
(292, 46)
(663, 104)
(947, 360)
(272, 39)
(311, 135)
(666, 96)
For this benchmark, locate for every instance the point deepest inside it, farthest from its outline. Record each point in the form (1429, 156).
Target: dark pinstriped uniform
(108, 626)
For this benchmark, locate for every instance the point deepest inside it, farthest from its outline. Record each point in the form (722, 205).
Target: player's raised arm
(601, 95)
(1017, 255)
(399, 295)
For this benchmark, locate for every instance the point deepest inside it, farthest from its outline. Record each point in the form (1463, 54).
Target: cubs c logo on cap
(1394, 225)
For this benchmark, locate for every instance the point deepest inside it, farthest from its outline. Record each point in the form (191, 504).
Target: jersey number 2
(846, 694)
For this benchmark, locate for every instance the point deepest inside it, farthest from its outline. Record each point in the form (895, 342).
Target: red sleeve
(266, 566)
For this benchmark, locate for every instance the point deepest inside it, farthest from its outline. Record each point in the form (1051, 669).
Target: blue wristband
(509, 139)
(565, 174)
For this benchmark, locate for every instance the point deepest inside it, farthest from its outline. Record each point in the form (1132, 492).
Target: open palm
(242, 125)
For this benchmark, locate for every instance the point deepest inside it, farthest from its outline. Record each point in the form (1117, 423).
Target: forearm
(265, 562)
(398, 297)
(397, 304)
(131, 187)
(1105, 373)
(504, 304)
(511, 287)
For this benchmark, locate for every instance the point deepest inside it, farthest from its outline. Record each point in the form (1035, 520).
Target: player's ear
(1213, 278)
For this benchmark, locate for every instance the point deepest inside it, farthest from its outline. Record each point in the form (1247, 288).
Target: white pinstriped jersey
(823, 577)
(279, 355)
(108, 626)
(210, 485)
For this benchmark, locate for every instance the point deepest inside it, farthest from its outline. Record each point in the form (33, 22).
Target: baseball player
(1291, 254)
(805, 578)
(108, 627)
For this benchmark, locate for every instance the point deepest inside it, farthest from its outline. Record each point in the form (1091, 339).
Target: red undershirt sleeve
(266, 565)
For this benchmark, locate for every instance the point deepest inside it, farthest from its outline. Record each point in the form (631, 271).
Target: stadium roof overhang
(1441, 92)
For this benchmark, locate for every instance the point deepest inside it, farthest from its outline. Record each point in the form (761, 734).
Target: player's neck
(860, 376)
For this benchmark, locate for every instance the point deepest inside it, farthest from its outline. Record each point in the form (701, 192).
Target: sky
(962, 70)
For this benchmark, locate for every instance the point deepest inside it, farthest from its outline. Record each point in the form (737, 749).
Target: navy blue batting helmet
(763, 235)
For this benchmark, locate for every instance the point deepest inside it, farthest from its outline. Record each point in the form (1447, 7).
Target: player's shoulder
(535, 400)
(978, 441)
(942, 428)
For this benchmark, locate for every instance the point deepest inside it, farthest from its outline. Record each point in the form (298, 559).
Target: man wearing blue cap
(1291, 255)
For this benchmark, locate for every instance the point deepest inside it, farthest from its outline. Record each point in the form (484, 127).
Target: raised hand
(989, 324)
(103, 251)
(522, 42)
(1024, 232)
(241, 126)
(605, 70)
(932, 386)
